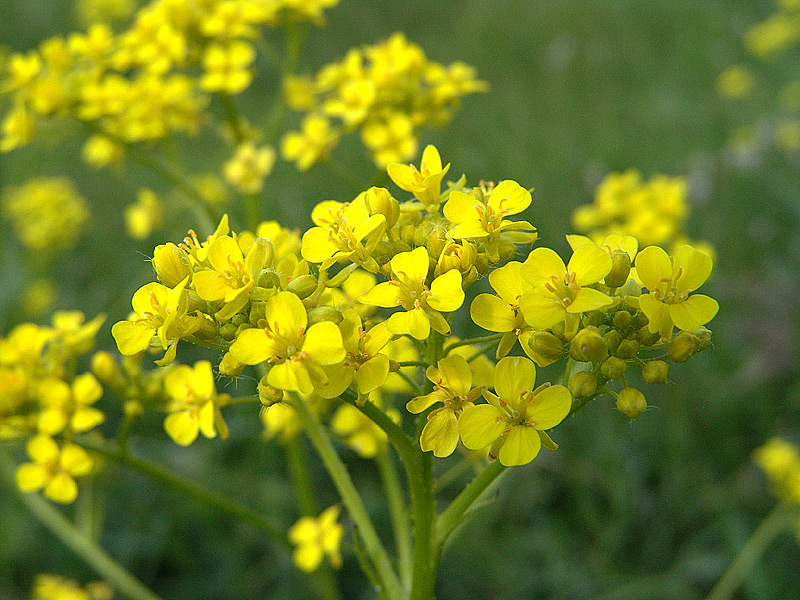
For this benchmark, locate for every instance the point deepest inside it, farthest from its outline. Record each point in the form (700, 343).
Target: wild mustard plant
(347, 327)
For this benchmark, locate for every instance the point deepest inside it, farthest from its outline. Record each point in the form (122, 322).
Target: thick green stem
(453, 516)
(193, 490)
(398, 512)
(97, 558)
(773, 525)
(423, 511)
(351, 499)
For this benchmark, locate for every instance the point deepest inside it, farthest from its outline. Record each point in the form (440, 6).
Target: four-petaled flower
(426, 182)
(670, 281)
(316, 538)
(294, 352)
(515, 420)
(408, 290)
(560, 291)
(194, 405)
(452, 387)
(53, 469)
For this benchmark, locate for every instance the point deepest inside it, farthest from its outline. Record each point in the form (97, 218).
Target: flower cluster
(652, 211)
(387, 91)
(42, 398)
(140, 85)
(48, 214)
(780, 460)
(773, 40)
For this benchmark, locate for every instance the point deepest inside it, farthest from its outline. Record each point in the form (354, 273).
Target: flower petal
(542, 264)
(509, 196)
(694, 312)
(447, 294)
(587, 299)
(252, 346)
(549, 407)
(440, 433)
(411, 265)
(480, 425)
(694, 267)
(520, 447)
(541, 310)
(590, 264)
(323, 343)
(513, 376)
(652, 267)
(492, 313)
(411, 322)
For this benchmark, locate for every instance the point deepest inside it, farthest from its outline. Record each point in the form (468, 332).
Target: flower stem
(398, 512)
(470, 341)
(773, 525)
(350, 497)
(453, 515)
(191, 489)
(97, 558)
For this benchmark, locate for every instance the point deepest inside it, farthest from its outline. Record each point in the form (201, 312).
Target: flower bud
(507, 251)
(613, 368)
(407, 235)
(620, 269)
(302, 286)
(482, 263)
(613, 339)
(595, 318)
(627, 349)
(631, 402)
(456, 255)
(267, 394)
(227, 332)
(170, 264)
(208, 329)
(324, 313)
(229, 366)
(703, 338)
(683, 346)
(104, 366)
(269, 279)
(436, 243)
(582, 384)
(422, 232)
(631, 288)
(132, 408)
(622, 319)
(547, 345)
(258, 312)
(655, 371)
(239, 319)
(588, 346)
(646, 338)
(380, 202)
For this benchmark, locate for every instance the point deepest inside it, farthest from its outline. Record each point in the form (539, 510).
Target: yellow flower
(426, 182)
(232, 276)
(360, 432)
(316, 538)
(363, 362)
(161, 312)
(344, 232)
(227, 67)
(249, 167)
(18, 127)
(452, 379)
(69, 405)
(310, 145)
(670, 281)
(294, 352)
(389, 139)
(515, 420)
(780, 460)
(194, 404)
(408, 290)
(501, 313)
(621, 248)
(560, 291)
(143, 216)
(53, 469)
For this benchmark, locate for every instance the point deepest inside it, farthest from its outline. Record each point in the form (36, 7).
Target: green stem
(452, 475)
(423, 511)
(412, 363)
(191, 489)
(350, 497)
(398, 512)
(773, 525)
(232, 117)
(91, 553)
(477, 340)
(454, 514)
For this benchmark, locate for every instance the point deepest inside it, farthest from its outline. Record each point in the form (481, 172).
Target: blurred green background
(651, 509)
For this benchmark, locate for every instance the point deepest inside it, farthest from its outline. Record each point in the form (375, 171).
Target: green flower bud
(507, 251)
(229, 366)
(647, 338)
(588, 346)
(613, 339)
(208, 330)
(620, 269)
(655, 371)
(595, 318)
(582, 384)
(623, 319)
(482, 263)
(302, 286)
(546, 344)
(613, 368)
(683, 346)
(324, 313)
(627, 349)
(228, 332)
(704, 338)
(258, 312)
(269, 279)
(407, 235)
(267, 394)
(631, 402)
(435, 243)
(238, 319)
(641, 320)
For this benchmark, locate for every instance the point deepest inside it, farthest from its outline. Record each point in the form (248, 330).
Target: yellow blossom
(69, 405)
(53, 469)
(316, 538)
(194, 405)
(426, 182)
(143, 216)
(422, 305)
(228, 67)
(310, 145)
(249, 167)
(514, 421)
